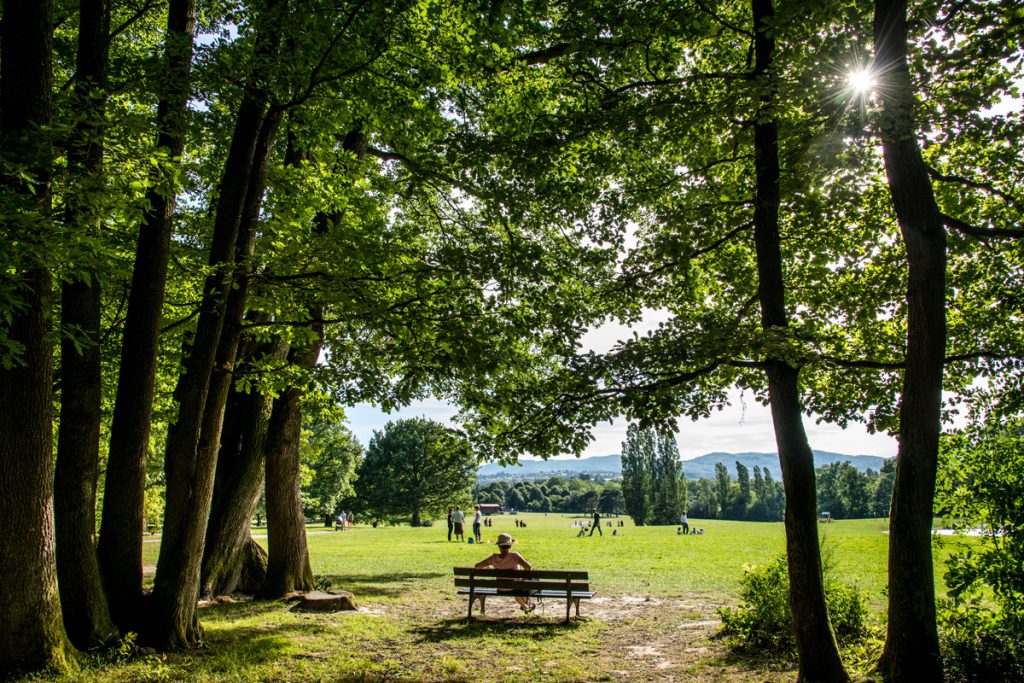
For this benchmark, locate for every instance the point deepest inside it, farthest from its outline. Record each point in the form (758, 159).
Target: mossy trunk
(32, 632)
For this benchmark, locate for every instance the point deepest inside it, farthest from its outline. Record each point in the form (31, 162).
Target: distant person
(451, 523)
(477, 520)
(679, 531)
(583, 531)
(458, 519)
(504, 559)
(686, 524)
(596, 524)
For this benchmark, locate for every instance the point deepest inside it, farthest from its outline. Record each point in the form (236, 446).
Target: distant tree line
(842, 490)
(556, 494)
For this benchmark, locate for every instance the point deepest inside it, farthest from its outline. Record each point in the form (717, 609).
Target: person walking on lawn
(596, 524)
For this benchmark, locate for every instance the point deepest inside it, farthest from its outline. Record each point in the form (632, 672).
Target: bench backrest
(540, 579)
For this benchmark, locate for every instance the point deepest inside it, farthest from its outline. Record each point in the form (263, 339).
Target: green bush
(979, 644)
(764, 620)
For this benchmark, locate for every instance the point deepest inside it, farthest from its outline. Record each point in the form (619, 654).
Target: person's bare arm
(483, 564)
(524, 564)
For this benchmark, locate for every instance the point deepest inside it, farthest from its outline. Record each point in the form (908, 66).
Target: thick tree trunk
(120, 545)
(228, 556)
(288, 567)
(816, 645)
(173, 622)
(234, 310)
(912, 644)
(84, 604)
(32, 630)
(190, 460)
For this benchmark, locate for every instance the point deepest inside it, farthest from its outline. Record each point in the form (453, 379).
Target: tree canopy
(414, 470)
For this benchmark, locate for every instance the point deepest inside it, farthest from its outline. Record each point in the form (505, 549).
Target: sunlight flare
(861, 81)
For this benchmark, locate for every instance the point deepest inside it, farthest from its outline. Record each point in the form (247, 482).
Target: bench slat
(559, 595)
(522, 585)
(533, 573)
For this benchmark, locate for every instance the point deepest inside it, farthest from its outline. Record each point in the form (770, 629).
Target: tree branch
(982, 233)
(977, 185)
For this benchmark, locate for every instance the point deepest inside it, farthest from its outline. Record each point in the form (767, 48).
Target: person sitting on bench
(505, 559)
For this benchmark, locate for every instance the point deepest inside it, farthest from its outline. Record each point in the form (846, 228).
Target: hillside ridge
(695, 468)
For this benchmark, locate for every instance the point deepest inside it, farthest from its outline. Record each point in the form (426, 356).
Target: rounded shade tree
(415, 469)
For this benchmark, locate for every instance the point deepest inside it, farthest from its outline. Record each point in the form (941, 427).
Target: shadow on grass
(755, 659)
(460, 629)
(380, 585)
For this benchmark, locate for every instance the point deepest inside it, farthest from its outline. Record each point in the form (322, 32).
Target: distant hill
(695, 468)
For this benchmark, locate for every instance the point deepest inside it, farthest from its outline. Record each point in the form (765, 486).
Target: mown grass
(654, 620)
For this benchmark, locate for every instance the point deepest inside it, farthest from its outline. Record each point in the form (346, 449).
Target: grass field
(653, 618)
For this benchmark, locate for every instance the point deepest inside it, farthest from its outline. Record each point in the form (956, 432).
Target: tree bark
(84, 604)
(912, 643)
(230, 563)
(288, 567)
(32, 632)
(120, 545)
(816, 645)
(190, 459)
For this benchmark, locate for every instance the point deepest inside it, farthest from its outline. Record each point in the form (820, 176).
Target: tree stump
(327, 601)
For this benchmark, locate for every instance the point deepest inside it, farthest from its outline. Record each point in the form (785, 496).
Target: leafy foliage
(414, 470)
(979, 486)
(653, 485)
(332, 454)
(764, 620)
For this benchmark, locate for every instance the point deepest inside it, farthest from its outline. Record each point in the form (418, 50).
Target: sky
(744, 426)
(732, 430)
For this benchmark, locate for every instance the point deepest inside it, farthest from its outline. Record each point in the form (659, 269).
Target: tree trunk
(234, 310)
(32, 632)
(816, 645)
(189, 465)
(912, 643)
(288, 567)
(120, 545)
(190, 459)
(228, 552)
(84, 604)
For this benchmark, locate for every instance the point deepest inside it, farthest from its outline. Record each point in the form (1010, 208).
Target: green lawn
(654, 617)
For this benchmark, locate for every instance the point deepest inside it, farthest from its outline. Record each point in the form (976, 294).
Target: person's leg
(525, 604)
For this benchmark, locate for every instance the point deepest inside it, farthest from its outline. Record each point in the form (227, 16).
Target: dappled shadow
(391, 584)
(460, 629)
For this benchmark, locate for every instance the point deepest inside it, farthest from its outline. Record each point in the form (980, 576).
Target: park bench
(480, 584)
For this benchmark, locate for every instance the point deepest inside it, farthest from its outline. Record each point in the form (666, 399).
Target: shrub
(980, 645)
(764, 620)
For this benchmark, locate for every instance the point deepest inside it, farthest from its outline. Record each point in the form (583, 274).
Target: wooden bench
(479, 584)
